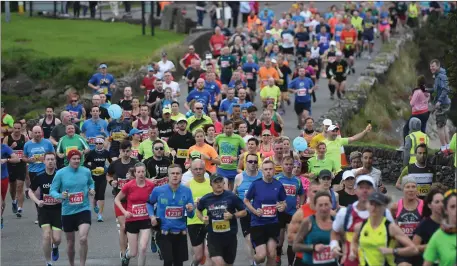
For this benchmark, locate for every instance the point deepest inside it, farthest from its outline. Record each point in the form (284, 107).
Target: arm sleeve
(445, 85)
(338, 223)
(152, 200)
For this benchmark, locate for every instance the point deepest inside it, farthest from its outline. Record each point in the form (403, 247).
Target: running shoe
(14, 207)
(125, 261)
(99, 218)
(96, 209)
(2, 222)
(55, 253)
(48, 264)
(153, 245)
(203, 260)
(36, 222)
(19, 213)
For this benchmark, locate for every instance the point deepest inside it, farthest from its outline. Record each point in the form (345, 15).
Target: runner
(49, 209)
(302, 87)
(96, 162)
(374, 239)
(199, 186)
(348, 37)
(17, 171)
(338, 73)
(408, 214)
(144, 122)
(71, 141)
(117, 176)
(294, 199)
(368, 169)
(369, 24)
(173, 202)
(313, 237)
(137, 223)
(229, 146)
(94, 127)
(118, 130)
(347, 195)
(180, 142)
(241, 185)
(207, 153)
(73, 184)
(157, 165)
(223, 210)
(48, 122)
(7, 155)
(34, 151)
(268, 196)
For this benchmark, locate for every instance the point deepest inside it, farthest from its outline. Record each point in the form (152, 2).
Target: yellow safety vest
(417, 137)
(413, 11)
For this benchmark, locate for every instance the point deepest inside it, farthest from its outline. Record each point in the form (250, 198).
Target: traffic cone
(344, 161)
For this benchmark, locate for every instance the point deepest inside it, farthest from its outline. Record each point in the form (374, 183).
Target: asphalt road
(21, 238)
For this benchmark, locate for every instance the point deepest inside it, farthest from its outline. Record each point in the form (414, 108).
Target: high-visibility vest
(417, 137)
(413, 11)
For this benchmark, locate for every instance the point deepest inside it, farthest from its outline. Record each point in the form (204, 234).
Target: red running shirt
(136, 199)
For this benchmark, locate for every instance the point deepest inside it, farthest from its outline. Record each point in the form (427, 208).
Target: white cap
(268, 31)
(274, 61)
(327, 122)
(332, 127)
(365, 178)
(347, 174)
(332, 43)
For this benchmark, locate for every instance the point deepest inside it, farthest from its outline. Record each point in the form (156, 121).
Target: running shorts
(223, 246)
(134, 227)
(50, 217)
(261, 234)
(71, 223)
(197, 234)
(173, 247)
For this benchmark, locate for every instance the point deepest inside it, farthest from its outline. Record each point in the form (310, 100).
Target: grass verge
(388, 101)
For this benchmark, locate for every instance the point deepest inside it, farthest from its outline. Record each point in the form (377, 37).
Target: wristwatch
(395, 251)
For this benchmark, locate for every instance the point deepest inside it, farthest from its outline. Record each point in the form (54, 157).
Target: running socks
(332, 88)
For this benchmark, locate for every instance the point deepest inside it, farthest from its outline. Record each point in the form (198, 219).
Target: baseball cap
(103, 66)
(215, 177)
(150, 68)
(134, 131)
(166, 110)
(208, 56)
(274, 61)
(164, 54)
(195, 155)
(332, 127)
(365, 178)
(332, 43)
(325, 173)
(379, 198)
(181, 119)
(347, 174)
(73, 153)
(327, 122)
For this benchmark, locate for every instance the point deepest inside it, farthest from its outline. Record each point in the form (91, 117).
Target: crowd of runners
(188, 178)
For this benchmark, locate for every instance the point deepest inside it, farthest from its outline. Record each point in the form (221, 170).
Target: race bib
(269, 210)
(173, 212)
(139, 210)
(68, 149)
(325, 256)
(48, 200)
(227, 159)
(160, 182)
(91, 141)
(74, 114)
(301, 44)
(134, 153)
(290, 189)
(121, 183)
(19, 153)
(408, 227)
(225, 63)
(98, 171)
(301, 92)
(182, 153)
(220, 226)
(254, 40)
(105, 90)
(118, 136)
(249, 75)
(144, 135)
(348, 40)
(423, 189)
(339, 69)
(127, 114)
(75, 198)
(38, 158)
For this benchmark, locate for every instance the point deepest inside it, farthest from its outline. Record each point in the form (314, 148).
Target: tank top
(47, 128)
(246, 183)
(259, 158)
(19, 151)
(271, 128)
(318, 236)
(266, 154)
(144, 128)
(198, 191)
(315, 52)
(278, 167)
(307, 211)
(350, 232)
(252, 127)
(370, 240)
(423, 177)
(409, 220)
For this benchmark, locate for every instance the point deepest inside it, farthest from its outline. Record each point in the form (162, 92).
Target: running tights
(172, 263)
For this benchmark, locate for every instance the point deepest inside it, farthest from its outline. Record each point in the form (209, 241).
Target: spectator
(200, 7)
(165, 65)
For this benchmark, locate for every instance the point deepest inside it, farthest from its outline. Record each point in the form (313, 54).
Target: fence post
(31, 8)
(152, 18)
(143, 20)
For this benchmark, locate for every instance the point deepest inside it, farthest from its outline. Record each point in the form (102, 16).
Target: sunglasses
(73, 101)
(252, 162)
(199, 108)
(99, 143)
(158, 148)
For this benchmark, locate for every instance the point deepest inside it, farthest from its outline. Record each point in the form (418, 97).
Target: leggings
(100, 187)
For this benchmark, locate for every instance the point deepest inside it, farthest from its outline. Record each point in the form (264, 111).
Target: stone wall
(390, 162)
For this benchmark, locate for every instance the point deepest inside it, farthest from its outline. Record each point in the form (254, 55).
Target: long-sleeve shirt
(441, 87)
(77, 182)
(419, 102)
(171, 206)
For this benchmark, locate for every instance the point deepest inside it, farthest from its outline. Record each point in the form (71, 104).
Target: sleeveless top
(307, 211)
(47, 128)
(198, 191)
(409, 220)
(266, 154)
(350, 212)
(252, 127)
(242, 189)
(278, 167)
(318, 236)
(370, 240)
(144, 128)
(19, 151)
(271, 128)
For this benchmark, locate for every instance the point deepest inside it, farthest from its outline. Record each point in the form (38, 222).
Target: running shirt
(204, 97)
(441, 247)
(198, 190)
(229, 146)
(217, 205)
(158, 169)
(301, 86)
(97, 160)
(318, 236)
(5, 153)
(37, 150)
(93, 128)
(409, 220)
(293, 189)
(243, 188)
(76, 142)
(44, 181)
(118, 131)
(47, 128)
(171, 207)
(77, 182)
(208, 151)
(119, 171)
(371, 239)
(265, 196)
(17, 168)
(136, 199)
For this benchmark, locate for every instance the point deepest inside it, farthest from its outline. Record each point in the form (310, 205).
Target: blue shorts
(229, 174)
